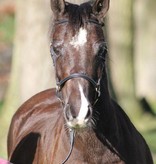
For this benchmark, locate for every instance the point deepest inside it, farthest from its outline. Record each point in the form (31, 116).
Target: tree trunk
(121, 49)
(145, 50)
(32, 69)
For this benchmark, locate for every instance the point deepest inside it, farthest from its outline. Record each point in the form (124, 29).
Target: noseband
(95, 84)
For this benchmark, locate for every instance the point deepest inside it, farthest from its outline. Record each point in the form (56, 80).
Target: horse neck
(104, 105)
(107, 126)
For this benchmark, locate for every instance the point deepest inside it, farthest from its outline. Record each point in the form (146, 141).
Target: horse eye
(55, 51)
(102, 52)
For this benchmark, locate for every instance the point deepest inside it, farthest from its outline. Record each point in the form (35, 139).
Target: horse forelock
(78, 14)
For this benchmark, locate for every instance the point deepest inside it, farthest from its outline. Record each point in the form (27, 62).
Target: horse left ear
(57, 6)
(100, 8)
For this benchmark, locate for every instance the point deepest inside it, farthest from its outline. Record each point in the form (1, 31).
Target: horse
(78, 122)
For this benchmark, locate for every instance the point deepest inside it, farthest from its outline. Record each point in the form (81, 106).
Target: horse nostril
(89, 113)
(74, 116)
(67, 111)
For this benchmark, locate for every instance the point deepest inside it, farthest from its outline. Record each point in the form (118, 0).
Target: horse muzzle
(81, 121)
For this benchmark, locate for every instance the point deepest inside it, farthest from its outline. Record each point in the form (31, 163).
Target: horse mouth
(78, 124)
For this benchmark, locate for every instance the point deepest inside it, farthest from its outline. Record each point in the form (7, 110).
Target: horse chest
(89, 150)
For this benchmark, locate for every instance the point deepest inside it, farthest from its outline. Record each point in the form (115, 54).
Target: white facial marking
(80, 38)
(84, 105)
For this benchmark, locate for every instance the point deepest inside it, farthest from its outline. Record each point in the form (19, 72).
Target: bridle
(96, 85)
(60, 84)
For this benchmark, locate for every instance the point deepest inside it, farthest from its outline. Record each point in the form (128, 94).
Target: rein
(72, 135)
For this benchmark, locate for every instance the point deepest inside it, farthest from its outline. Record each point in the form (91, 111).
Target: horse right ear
(57, 6)
(100, 8)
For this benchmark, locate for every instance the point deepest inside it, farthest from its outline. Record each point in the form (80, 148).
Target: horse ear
(57, 6)
(100, 8)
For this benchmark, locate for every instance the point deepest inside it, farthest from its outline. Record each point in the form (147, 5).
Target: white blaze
(80, 38)
(84, 105)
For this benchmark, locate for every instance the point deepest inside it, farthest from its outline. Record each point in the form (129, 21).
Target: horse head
(78, 49)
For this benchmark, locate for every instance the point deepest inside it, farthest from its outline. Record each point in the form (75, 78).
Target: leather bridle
(61, 83)
(95, 84)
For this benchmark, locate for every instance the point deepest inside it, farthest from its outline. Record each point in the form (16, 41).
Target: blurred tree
(145, 50)
(121, 60)
(131, 28)
(31, 62)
